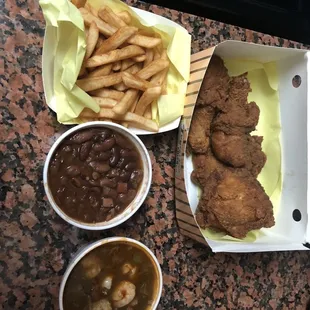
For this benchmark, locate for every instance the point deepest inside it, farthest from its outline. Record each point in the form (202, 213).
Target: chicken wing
(215, 85)
(199, 135)
(242, 151)
(237, 204)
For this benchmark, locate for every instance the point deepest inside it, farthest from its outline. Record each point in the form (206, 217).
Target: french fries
(124, 68)
(116, 40)
(140, 58)
(78, 3)
(104, 28)
(108, 93)
(149, 56)
(148, 96)
(132, 81)
(137, 120)
(126, 63)
(148, 112)
(117, 66)
(99, 42)
(93, 83)
(153, 68)
(124, 105)
(106, 103)
(134, 69)
(115, 55)
(120, 87)
(92, 38)
(125, 16)
(91, 9)
(101, 71)
(107, 15)
(144, 41)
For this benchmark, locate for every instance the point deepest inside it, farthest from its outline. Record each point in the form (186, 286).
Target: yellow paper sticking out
(65, 19)
(263, 79)
(70, 41)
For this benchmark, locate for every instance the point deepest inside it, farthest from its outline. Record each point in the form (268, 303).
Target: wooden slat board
(186, 220)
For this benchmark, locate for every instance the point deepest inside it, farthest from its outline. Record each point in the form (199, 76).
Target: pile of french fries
(124, 70)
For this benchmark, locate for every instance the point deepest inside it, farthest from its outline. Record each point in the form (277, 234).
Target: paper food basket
(288, 233)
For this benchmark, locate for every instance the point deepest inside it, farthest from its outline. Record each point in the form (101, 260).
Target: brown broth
(95, 174)
(80, 292)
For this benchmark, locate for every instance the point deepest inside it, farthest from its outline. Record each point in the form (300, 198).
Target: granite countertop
(36, 244)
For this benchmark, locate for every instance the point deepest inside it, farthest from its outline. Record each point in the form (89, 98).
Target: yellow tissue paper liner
(71, 100)
(263, 79)
(66, 18)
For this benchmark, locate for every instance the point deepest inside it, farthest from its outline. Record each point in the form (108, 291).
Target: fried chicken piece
(236, 203)
(215, 85)
(199, 133)
(204, 165)
(239, 89)
(204, 217)
(242, 151)
(241, 117)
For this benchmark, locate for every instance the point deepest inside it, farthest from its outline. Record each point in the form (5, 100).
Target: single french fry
(116, 40)
(159, 78)
(137, 120)
(148, 112)
(120, 87)
(106, 103)
(124, 105)
(125, 124)
(107, 15)
(140, 58)
(144, 41)
(86, 29)
(99, 42)
(101, 71)
(164, 86)
(164, 55)
(78, 3)
(108, 93)
(149, 56)
(103, 27)
(156, 54)
(147, 97)
(154, 67)
(141, 122)
(132, 81)
(135, 68)
(93, 83)
(91, 9)
(115, 55)
(91, 40)
(134, 105)
(125, 16)
(117, 66)
(126, 63)
(83, 71)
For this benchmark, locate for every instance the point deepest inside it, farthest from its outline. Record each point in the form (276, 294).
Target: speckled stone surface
(36, 244)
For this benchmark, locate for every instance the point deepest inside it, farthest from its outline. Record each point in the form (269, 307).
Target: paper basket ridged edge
(184, 215)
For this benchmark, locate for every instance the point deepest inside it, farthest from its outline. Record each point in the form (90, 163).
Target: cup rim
(122, 218)
(88, 248)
